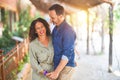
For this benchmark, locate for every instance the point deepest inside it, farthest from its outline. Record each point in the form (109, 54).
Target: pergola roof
(9, 4)
(82, 4)
(70, 5)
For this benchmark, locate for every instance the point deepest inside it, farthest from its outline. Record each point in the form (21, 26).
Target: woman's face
(40, 29)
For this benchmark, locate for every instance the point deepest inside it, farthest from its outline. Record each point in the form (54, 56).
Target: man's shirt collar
(61, 25)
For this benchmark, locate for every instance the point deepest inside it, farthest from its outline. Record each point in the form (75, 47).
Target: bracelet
(45, 72)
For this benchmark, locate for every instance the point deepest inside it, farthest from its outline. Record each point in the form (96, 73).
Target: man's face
(54, 17)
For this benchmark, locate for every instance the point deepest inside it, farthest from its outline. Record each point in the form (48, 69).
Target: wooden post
(110, 32)
(102, 39)
(111, 37)
(2, 67)
(17, 46)
(87, 31)
(1, 51)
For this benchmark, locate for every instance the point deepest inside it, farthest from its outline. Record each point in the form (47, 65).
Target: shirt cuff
(64, 57)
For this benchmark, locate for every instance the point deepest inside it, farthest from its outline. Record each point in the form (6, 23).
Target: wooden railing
(9, 62)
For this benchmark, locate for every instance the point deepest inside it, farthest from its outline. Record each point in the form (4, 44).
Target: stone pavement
(95, 67)
(91, 67)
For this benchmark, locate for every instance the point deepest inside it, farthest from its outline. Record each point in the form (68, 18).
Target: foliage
(6, 42)
(20, 66)
(25, 60)
(116, 19)
(12, 75)
(21, 30)
(22, 26)
(117, 13)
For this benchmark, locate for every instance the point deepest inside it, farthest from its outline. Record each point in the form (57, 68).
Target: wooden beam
(111, 38)
(108, 1)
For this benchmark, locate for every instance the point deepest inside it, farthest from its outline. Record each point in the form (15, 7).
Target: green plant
(22, 26)
(26, 58)
(20, 66)
(21, 63)
(6, 42)
(117, 14)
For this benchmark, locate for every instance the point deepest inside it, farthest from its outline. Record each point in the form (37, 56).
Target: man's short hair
(58, 9)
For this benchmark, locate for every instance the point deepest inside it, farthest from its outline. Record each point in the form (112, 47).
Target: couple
(52, 57)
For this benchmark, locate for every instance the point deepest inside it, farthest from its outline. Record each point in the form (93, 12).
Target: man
(63, 37)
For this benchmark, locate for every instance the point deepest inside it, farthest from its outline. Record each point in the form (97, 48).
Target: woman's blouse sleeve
(33, 60)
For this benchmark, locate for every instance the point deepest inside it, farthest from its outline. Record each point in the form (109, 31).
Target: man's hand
(52, 75)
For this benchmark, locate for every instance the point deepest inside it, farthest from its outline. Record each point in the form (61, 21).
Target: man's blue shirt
(63, 38)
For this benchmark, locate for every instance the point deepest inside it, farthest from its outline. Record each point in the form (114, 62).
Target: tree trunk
(111, 37)
(87, 32)
(102, 37)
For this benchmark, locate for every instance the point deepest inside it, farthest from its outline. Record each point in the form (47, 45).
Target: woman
(40, 49)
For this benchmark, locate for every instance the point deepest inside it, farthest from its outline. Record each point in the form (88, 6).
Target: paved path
(92, 67)
(95, 67)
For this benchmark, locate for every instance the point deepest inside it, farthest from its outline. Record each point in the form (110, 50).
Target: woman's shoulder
(32, 43)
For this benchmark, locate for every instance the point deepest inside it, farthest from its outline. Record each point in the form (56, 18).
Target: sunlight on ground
(117, 73)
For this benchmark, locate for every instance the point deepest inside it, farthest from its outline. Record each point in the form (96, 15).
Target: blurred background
(96, 23)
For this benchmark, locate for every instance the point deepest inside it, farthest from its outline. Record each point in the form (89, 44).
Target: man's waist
(43, 63)
(70, 63)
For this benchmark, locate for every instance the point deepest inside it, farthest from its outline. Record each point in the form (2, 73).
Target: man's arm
(68, 44)
(61, 65)
(56, 72)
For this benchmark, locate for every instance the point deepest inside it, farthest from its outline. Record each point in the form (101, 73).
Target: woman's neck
(44, 40)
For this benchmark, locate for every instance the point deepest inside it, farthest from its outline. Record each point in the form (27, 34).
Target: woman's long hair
(32, 31)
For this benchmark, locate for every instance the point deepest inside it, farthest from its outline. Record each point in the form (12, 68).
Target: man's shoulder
(68, 28)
